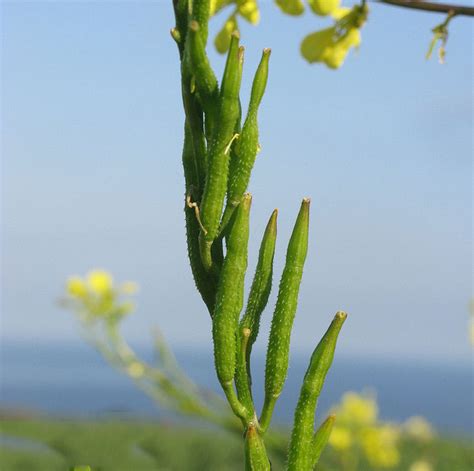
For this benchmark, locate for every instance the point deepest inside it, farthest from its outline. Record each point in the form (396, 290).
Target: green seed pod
(246, 147)
(301, 453)
(205, 282)
(205, 80)
(218, 154)
(320, 439)
(200, 13)
(279, 342)
(258, 298)
(262, 282)
(256, 458)
(230, 293)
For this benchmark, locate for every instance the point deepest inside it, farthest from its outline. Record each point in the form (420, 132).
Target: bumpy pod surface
(300, 457)
(205, 282)
(255, 455)
(205, 80)
(258, 298)
(320, 439)
(230, 293)
(246, 147)
(279, 342)
(262, 282)
(218, 154)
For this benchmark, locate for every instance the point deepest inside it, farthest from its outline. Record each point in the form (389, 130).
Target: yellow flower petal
(315, 46)
(249, 10)
(340, 12)
(100, 282)
(291, 7)
(324, 7)
(222, 40)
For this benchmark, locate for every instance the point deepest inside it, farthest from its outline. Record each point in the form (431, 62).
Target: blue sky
(92, 132)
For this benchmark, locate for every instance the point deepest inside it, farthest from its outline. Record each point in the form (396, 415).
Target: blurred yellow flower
(329, 47)
(100, 282)
(357, 409)
(340, 438)
(324, 7)
(222, 40)
(421, 465)
(96, 296)
(419, 428)
(76, 287)
(291, 7)
(380, 446)
(249, 10)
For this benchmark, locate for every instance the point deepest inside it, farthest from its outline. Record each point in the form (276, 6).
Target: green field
(49, 445)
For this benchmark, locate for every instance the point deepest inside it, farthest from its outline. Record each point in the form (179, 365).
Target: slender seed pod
(320, 439)
(181, 15)
(205, 282)
(218, 154)
(194, 117)
(200, 13)
(279, 342)
(262, 282)
(246, 147)
(258, 298)
(230, 293)
(256, 458)
(205, 80)
(301, 454)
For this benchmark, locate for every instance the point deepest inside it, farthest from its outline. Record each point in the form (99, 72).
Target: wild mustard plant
(218, 157)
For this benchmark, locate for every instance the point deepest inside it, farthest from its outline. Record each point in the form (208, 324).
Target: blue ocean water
(74, 380)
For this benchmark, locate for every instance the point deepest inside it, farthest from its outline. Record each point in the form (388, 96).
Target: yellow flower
(357, 409)
(380, 446)
(324, 7)
(419, 428)
(249, 10)
(329, 47)
(100, 282)
(76, 287)
(421, 465)
(340, 438)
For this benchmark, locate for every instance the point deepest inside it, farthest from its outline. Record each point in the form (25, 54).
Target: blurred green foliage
(132, 445)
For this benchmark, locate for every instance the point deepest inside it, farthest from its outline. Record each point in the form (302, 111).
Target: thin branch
(455, 10)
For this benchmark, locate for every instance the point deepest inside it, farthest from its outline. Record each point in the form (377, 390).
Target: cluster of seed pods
(218, 157)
